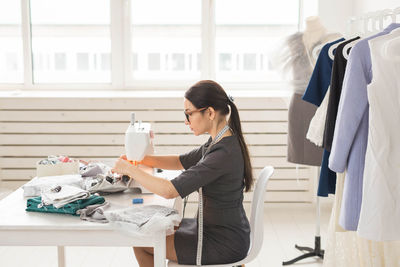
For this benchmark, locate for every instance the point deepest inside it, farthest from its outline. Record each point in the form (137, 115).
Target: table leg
(61, 256)
(178, 205)
(160, 251)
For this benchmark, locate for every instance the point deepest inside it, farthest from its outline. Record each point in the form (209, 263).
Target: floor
(284, 225)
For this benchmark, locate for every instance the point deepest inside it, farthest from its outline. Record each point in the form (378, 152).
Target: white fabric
(338, 199)
(316, 129)
(61, 195)
(35, 187)
(347, 249)
(380, 208)
(141, 220)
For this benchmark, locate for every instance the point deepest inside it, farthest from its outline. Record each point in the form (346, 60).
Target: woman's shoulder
(227, 143)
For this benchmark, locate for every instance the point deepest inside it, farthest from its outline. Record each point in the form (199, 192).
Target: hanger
(358, 31)
(375, 17)
(333, 47)
(364, 32)
(366, 18)
(372, 17)
(393, 44)
(347, 47)
(385, 14)
(317, 49)
(396, 12)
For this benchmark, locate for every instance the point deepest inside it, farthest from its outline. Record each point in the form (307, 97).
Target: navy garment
(327, 178)
(314, 94)
(321, 76)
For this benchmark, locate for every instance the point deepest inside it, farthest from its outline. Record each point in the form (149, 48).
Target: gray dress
(226, 231)
(297, 60)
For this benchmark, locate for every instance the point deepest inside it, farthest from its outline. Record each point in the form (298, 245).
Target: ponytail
(234, 123)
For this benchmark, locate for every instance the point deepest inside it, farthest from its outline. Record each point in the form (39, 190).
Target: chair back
(256, 221)
(257, 213)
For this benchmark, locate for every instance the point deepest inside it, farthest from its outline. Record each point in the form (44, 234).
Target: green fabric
(71, 208)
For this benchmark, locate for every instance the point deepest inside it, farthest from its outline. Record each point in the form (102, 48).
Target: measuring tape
(200, 218)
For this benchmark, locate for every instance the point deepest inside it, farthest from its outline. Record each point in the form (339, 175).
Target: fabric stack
(77, 195)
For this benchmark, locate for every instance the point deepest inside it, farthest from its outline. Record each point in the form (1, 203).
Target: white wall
(335, 14)
(363, 6)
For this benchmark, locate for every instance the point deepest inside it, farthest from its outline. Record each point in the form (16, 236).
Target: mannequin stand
(312, 252)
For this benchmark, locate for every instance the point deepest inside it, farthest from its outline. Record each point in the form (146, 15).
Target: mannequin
(313, 31)
(313, 34)
(297, 58)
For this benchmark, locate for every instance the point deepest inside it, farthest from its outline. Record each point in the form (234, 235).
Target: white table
(21, 228)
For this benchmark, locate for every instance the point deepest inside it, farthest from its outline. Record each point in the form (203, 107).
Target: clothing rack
(371, 22)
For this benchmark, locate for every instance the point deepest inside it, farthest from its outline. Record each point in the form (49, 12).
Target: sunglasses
(187, 114)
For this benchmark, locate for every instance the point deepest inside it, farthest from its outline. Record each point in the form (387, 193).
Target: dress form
(313, 32)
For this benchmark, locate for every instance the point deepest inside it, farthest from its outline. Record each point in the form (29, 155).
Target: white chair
(256, 221)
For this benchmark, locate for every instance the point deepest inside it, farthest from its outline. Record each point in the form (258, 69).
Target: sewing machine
(138, 144)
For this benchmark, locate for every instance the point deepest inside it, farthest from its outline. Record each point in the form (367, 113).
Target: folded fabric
(94, 213)
(35, 187)
(59, 196)
(35, 204)
(144, 219)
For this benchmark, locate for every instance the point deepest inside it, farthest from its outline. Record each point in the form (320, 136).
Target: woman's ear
(211, 113)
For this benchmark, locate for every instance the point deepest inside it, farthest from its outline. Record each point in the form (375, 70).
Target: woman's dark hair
(208, 93)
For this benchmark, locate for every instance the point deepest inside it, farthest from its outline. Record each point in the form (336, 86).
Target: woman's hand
(122, 166)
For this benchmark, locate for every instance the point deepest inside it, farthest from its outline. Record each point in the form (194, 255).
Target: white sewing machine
(138, 144)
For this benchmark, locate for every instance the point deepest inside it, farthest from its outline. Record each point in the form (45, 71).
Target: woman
(221, 167)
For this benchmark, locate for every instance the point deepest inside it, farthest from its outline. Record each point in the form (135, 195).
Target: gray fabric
(300, 149)
(94, 213)
(107, 183)
(226, 235)
(139, 216)
(92, 169)
(296, 61)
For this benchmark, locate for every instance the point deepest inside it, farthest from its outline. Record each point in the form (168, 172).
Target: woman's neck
(217, 128)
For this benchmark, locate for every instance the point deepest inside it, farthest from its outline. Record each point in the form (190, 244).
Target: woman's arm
(168, 162)
(157, 185)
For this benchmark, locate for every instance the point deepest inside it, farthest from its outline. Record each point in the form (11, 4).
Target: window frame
(121, 65)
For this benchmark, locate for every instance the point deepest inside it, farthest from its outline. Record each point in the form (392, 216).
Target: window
(225, 62)
(135, 61)
(105, 61)
(82, 61)
(11, 59)
(60, 61)
(68, 30)
(249, 29)
(249, 62)
(138, 44)
(178, 62)
(163, 32)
